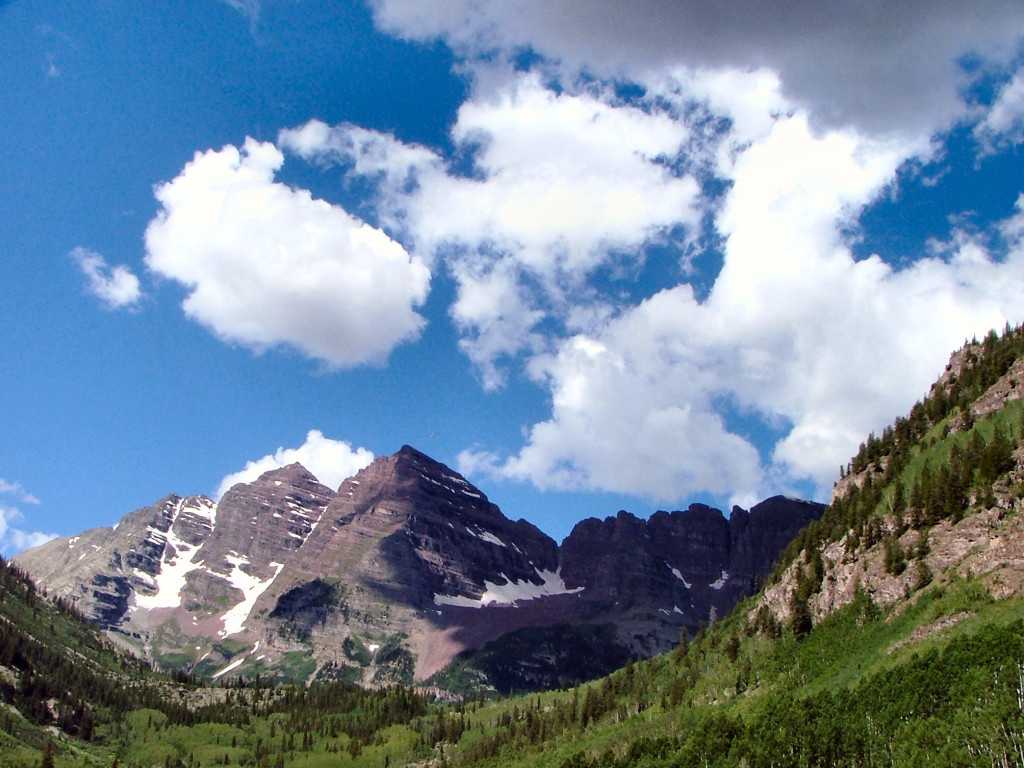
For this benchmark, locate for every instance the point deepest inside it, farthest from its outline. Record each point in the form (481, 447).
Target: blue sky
(595, 257)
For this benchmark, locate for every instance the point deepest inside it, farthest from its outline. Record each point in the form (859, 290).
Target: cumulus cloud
(117, 287)
(267, 265)
(799, 116)
(562, 178)
(496, 314)
(16, 490)
(881, 66)
(332, 461)
(561, 183)
(13, 538)
(631, 413)
(371, 153)
(794, 331)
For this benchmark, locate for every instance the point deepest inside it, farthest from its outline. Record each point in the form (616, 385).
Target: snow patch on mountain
(201, 507)
(156, 536)
(177, 563)
(678, 575)
(720, 582)
(237, 662)
(486, 536)
(455, 483)
(511, 592)
(251, 588)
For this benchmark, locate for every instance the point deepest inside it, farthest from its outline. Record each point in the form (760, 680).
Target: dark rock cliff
(688, 566)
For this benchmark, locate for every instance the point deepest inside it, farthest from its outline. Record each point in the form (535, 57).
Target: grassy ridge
(836, 697)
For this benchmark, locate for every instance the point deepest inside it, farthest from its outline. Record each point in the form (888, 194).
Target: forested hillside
(57, 674)
(891, 632)
(70, 697)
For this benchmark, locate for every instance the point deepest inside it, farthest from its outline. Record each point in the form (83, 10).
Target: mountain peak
(421, 462)
(283, 567)
(294, 473)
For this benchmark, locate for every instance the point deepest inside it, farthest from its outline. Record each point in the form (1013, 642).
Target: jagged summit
(687, 563)
(293, 473)
(391, 576)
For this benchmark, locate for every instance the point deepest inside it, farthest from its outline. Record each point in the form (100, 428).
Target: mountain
(890, 631)
(695, 564)
(405, 573)
(70, 698)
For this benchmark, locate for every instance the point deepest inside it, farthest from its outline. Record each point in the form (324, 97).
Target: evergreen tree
(895, 558)
(800, 615)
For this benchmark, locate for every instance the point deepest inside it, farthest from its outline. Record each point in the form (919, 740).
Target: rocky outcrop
(402, 569)
(265, 520)
(893, 556)
(678, 569)
(103, 570)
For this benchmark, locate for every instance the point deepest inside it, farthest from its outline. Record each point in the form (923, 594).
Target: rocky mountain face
(932, 504)
(678, 568)
(406, 573)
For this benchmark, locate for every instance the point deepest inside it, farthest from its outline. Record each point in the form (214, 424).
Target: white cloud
(631, 413)
(495, 314)
(16, 490)
(332, 461)
(561, 178)
(822, 103)
(248, 8)
(116, 287)
(266, 264)
(372, 153)
(881, 66)
(14, 539)
(794, 332)
(393, 167)
(562, 183)
(1005, 119)
(565, 178)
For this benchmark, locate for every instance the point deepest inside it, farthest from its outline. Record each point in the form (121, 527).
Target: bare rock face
(406, 566)
(103, 569)
(416, 532)
(987, 545)
(679, 569)
(759, 536)
(273, 516)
